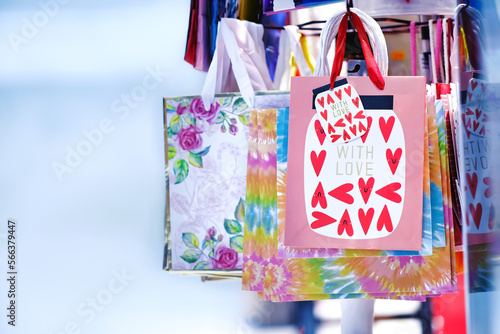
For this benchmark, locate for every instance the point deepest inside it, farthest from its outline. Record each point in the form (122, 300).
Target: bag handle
(372, 29)
(289, 42)
(371, 64)
(227, 45)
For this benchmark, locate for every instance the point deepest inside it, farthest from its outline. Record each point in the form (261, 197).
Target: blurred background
(90, 227)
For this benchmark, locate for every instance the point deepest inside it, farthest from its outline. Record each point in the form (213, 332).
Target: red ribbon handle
(371, 64)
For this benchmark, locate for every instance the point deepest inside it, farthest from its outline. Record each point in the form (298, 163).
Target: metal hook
(467, 3)
(348, 5)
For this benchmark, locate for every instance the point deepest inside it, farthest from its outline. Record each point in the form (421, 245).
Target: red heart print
(467, 132)
(338, 94)
(491, 219)
(340, 123)
(345, 225)
(478, 113)
(361, 127)
(483, 87)
(341, 193)
(317, 161)
(389, 192)
(356, 101)
(321, 220)
(476, 213)
(384, 220)
(482, 131)
(319, 196)
(319, 131)
(473, 84)
(472, 182)
(393, 159)
(329, 99)
(386, 127)
(468, 123)
(348, 117)
(485, 118)
(321, 101)
(346, 136)
(334, 138)
(348, 90)
(324, 113)
(475, 125)
(360, 115)
(330, 129)
(363, 137)
(470, 96)
(489, 189)
(469, 112)
(365, 188)
(366, 219)
(353, 129)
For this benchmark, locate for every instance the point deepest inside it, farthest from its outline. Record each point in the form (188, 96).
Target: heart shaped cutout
(384, 220)
(321, 101)
(386, 126)
(360, 115)
(366, 219)
(330, 129)
(321, 220)
(324, 114)
(345, 225)
(346, 136)
(389, 192)
(478, 113)
(473, 84)
(475, 125)
(341, 193)
(393, 159)
(329, 99)
(340, 123)
(319, 197)
(353, 129)
(319, 132)
(482, 131)
(363, 137)
(356, 101)
(348, 117)
(338, 94)
(488, 181)
(334, 138)
(476, 213)
(347, 90)
(491, 218)
(317, 161)
(365, 188)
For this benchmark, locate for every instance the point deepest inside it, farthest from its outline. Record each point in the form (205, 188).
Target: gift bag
(355, 173)
(287, 279)
(206, 145)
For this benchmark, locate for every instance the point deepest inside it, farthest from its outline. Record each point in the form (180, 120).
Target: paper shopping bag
(364, 192)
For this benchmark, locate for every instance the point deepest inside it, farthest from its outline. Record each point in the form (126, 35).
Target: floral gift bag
(206, 169)
(206, 146)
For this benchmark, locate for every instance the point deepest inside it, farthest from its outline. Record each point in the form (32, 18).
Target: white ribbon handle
(247, 60)
(373, 30)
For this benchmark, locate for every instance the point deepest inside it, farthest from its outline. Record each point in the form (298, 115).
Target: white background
(108, 213)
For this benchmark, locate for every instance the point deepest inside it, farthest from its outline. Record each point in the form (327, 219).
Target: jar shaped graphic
(354, 188)
(479, 207)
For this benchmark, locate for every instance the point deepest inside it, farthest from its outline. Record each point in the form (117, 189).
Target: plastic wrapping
(413, 7)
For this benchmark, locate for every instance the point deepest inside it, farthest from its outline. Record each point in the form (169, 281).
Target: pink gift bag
(355, 160)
